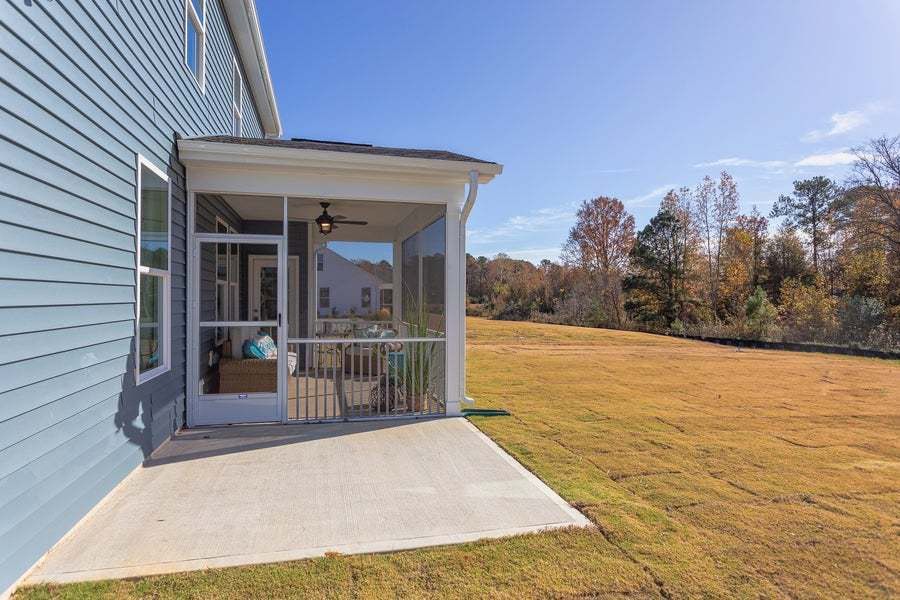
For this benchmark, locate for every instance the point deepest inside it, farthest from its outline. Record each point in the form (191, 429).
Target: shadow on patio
(206, 442)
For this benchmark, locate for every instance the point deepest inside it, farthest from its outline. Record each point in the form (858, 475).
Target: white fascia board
(244, 23)
(198, 152)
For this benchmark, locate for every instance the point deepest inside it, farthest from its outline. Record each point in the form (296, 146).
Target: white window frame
(191, 16)
(320, 256)
(328, 289)
(166, 276)
(232, 280)
(237, 104)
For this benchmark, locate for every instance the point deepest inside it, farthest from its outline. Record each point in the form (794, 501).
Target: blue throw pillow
(260, 347)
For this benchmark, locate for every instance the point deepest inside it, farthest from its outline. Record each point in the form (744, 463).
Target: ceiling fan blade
(352, 222)
(339, 216)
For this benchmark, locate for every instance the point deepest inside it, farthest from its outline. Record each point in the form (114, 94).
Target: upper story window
(195, 38)
(237, 101)
(154, 265)
(320, 261)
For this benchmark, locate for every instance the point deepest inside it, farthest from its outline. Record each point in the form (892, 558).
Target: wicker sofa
(247, 375)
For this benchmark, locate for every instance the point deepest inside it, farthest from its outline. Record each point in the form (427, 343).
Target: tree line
(828, 273)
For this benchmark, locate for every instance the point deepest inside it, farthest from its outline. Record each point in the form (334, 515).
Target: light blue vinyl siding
(85, 85)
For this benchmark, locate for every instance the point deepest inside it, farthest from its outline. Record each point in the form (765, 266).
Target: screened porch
(283, 315)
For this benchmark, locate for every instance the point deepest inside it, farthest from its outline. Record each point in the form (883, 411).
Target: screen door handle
(279, 319)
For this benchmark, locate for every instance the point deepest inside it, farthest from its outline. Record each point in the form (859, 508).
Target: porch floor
(221, 497)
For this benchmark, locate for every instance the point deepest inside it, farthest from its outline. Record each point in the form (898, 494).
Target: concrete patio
(253, 494)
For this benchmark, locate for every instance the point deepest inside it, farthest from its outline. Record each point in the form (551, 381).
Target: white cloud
(743, 162)
(653, 194)
(537, 221)
(829, 159)
(535, 255)
(835, 158)
(845, 122)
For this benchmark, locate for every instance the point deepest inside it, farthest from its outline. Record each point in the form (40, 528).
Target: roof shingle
(304, 144)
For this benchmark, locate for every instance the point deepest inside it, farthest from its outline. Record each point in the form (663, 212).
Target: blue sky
(579, 99)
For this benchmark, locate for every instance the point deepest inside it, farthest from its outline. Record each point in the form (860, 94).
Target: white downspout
(464, 216)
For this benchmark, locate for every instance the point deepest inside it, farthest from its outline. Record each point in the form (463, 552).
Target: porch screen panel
(423, 280)
(238, 286)
(235, 368)
(433, 248)
(238, 282)
(409, 278)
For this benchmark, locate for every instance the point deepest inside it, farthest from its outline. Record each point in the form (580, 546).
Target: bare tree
(757, 226)
(725, 206)
(873, 199)
(703, 217)
(600, 243)
(715, 208)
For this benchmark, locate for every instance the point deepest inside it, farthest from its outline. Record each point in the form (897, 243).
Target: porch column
(456, 316)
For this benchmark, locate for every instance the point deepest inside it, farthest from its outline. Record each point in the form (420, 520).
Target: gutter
(245, 30)
(463, 217)
(256, 33)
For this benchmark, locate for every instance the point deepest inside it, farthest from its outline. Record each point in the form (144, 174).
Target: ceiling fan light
(325, 225)
(325, 221)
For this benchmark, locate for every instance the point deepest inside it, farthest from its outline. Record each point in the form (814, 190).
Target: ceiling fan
(328, 223)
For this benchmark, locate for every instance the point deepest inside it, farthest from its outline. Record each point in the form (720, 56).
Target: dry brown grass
(710, 471)
(722, 471)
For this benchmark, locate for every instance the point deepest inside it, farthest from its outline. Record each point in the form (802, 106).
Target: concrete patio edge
(240, 560)
(574, 519)
(580, 519)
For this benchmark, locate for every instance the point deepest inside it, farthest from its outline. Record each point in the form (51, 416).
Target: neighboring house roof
(304, 144)
(331, 255)
(248, 38)
(384, 275)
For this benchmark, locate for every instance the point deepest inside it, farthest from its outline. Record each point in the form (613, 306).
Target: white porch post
(455, 311)
(312, 284)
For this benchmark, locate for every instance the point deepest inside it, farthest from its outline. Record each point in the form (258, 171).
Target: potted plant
(421, 361)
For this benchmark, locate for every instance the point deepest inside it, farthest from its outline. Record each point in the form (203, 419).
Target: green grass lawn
(708, 470)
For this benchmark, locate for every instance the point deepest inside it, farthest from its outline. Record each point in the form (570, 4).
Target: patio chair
(388, 396)
(329, 355)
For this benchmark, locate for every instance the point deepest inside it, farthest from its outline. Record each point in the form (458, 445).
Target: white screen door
(239, 339)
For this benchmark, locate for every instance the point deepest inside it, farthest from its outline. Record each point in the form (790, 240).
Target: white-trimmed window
(324, 297)
(387, 299)
(320, 261)
(227, 281)
(237, 101)
(195, 39)
(154, 260)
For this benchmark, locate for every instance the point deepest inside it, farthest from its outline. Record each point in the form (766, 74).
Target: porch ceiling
(381, 214)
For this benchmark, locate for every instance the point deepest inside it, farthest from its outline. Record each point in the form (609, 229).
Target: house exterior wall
(345, 281)
(85, 87)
